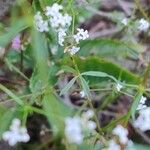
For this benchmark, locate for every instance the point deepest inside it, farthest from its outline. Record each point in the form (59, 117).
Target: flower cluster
(73, 130)
(139, 25)
(80, 35)
(16, 42)
(16, 133)
(122, 133)
(56, 19)
(41, 25)
(143, 120)
(74, 127)
(143, 25)
(142, 103)
(60, 22)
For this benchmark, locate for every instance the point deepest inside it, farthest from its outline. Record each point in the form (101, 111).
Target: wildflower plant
(63, 73)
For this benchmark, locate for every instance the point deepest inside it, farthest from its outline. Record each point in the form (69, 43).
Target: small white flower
(67, 20)
(91, 125)
(119, 87)
(74, 50)
(56, 21)
(113, 145)
(141, 106)
(143, 25)
(124, 21)
(122, 133)
(88, 114)
(143, 120)
(53, 10)
(16, 133)
(82, 94)
(73, 130)
(56, 18)
(61, 36)
(81, 35)
(86, 122)
(142, 103)
(41, 25)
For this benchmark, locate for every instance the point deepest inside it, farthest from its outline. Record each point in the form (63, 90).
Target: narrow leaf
(135, 104)
(11, 94)
(68, 86)
(85, 87)
(98, 74)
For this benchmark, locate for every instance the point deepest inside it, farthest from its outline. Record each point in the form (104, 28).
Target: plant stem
(147, 72)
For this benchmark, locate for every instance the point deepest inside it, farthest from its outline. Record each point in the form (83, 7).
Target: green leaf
(17, 27)
(12, 95)
(68, 86)
(98, 74)
(85, 87)
(40, 56)
(135, 104)
(68, 69)
(136, 146)
(94, 63)
(107, 47)
(56, 112)
(12, 67)
(40, 77)
(6, 120)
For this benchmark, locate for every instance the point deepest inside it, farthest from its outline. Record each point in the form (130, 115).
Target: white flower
(73, 130)
(56, 18)
(143, 25)
(56, 21)
(86, 122)
(124, 21)
(119, 87)
(81, 35)
(91, 125)
(61, 36)
(113, 146)
(16, 133)
(41, 25)
(82, 94)
(88, 114)
(143, 120)
(122, 133)
(74, 50)
(53, 10)
(67, 20)
(142, 103)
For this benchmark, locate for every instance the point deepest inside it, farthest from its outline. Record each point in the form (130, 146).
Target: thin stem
(89, 99)
(12, 95)
(146, 75)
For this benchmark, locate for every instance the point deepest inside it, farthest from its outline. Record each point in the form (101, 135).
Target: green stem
(13, 96)
(89, 99)
(146, 75)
